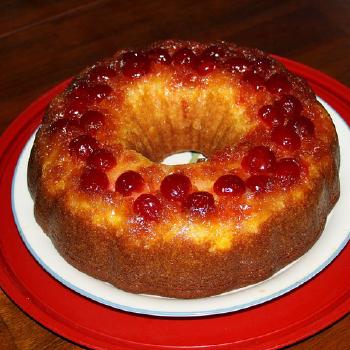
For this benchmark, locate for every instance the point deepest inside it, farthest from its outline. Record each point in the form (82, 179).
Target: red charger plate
(282, 321)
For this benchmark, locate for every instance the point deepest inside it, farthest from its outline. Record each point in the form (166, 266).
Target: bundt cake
(258, 201)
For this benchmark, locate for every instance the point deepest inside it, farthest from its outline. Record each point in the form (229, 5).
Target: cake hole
(184, 158)
(160, 119)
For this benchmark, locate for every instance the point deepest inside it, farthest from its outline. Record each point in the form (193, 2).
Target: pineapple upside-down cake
(258, 202)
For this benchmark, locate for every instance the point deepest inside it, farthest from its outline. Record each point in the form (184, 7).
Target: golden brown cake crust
(100, 235)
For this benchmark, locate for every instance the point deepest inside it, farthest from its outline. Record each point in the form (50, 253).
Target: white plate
(332, 241)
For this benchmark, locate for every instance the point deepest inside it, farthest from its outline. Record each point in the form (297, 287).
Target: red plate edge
(331, 90)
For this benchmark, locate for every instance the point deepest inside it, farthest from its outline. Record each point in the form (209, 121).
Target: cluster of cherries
(288, 128)
(255, 72)
(137, 64)
(260, 162)
(288, 125)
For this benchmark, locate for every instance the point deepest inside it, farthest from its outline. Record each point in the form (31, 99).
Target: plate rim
(316, 321)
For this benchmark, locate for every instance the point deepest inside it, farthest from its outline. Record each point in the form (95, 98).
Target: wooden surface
(44, 42)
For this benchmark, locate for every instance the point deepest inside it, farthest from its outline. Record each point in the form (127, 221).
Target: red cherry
(91, 93)
(159, 55)
(185, 57)
(278, 84)
(83, 146)
(206, 65)
(101, 159)
(135, 64)
(259, 183)
(238, 64)
(254, 80)
(80, 91)
(286, 137)
(262, 66)
(92, 120)
(289, 106)
(259, 159)
(64, 125)
(148, 206)
(75, 108)
(229, 185)
(200, 203)
(303, 126)
(287, 172)
(271, 115)
(102, 73)
(129, 182)
(94, 180)
(175, 186)
(98, 92)
(215, 52)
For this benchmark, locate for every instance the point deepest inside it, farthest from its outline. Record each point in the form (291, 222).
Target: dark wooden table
(44, 42)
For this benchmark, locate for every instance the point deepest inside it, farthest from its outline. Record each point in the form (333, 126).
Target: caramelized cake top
(265, 136)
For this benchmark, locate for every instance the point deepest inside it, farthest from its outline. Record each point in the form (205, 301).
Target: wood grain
(44, 42)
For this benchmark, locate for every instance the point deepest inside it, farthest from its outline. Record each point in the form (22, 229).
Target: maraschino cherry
(185, 57)
(94, 180)
(287, 172)
(259, 159)
(129, 182)
(101, 159)
(303, 126)
(200, 203)
(286, 137)
(148, 206)
(135, 64)
(83, 146)
(229, 185)
(175, 186)
(159, 55)
(259, 183)
(64, 125)
(278, 84)
(271, 115)
(92, 120)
